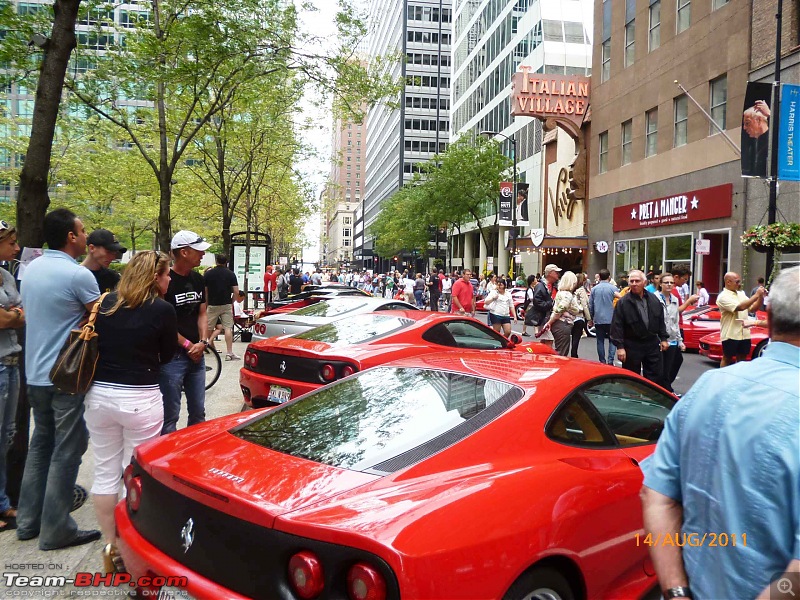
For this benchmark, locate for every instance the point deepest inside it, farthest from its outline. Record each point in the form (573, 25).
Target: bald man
(733, 306)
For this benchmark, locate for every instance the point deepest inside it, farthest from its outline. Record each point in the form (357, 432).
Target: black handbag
(74, 368)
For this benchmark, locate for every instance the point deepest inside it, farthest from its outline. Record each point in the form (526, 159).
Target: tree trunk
(164, 216)
(33, 199)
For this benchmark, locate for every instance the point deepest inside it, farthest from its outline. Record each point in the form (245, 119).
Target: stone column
(502, 253)
(469, 253)
(483, 252)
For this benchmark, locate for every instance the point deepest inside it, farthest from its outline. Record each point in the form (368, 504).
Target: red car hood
(214, 467)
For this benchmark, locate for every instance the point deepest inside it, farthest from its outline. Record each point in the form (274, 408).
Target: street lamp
(513, 140)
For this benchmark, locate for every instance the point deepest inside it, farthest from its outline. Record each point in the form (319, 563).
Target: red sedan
(463, 474)
(711, 344)
(278, 369)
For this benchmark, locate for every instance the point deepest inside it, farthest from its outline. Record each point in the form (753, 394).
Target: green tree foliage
(458, 187)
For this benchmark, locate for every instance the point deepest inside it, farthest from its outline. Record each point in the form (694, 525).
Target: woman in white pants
(138, 332)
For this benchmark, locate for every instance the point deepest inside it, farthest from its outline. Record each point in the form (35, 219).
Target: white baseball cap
(551, 267)
(189, 239)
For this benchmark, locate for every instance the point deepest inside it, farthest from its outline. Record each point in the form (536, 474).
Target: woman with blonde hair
(137, 332)
(565, 308)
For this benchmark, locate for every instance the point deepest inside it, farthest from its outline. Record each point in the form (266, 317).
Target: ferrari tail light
(133, 485)
(365, 583)
(250, 359)
(348, 370)
(305, 575)
(328, 372)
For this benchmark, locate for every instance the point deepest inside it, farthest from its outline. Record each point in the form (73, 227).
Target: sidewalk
(27, 560)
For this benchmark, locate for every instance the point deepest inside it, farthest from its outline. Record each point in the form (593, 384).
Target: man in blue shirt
(601, 307)
(728, 464)
(56, 293)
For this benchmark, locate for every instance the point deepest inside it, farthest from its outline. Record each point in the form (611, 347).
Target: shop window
(630, 43)
(681, 121)
(654, 37)
(627, 142)
(651, 132)
(684, 15)
(654, 255)
(718, 103)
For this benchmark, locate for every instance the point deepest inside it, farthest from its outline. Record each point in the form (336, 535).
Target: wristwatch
(678, 592)
(204, 342)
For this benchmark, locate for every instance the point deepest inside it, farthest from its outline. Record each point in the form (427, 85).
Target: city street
(222, 399)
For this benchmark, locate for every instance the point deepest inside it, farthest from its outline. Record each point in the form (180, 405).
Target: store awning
(551, 242)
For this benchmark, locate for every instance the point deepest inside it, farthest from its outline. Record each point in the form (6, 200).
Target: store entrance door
(714, 265)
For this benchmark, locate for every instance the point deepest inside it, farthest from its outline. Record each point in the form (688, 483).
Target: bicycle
(213, 363)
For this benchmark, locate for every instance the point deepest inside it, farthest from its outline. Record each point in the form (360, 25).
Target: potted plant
(783, 237)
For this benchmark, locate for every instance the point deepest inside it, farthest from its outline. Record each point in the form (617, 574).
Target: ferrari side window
(633, 411)
(477, 337)
(574, 424)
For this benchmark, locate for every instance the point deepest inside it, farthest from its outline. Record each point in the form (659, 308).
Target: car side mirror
(515, 339)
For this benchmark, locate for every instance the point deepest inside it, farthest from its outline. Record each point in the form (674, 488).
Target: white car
(322, 313)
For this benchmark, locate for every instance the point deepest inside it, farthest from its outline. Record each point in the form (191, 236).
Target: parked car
(312, 295)
(286, 367)
(440, 476)
(702, 321)
(711, 344)
(322, 312)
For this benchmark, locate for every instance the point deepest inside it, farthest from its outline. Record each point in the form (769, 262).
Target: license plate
(279, 394)
(169, 592)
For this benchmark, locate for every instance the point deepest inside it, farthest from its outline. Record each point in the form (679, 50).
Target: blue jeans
(418, 297)
(59, 440)
(183, 374)
(9, 395)
(603, 332)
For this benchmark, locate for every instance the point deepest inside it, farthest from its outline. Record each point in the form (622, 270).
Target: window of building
(605, 67)
(684, 15)
(627, 142)
(651, 132)
(681, 121)
(717, 4)
(346, 232)
(603, 152)
(654, 37)
(347, 220)
(630, 43)
(553, 31)
(718, 102)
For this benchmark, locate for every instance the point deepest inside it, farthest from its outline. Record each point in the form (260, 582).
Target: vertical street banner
(506, 202)
(788, 163)
(511, 203)
(755, 129)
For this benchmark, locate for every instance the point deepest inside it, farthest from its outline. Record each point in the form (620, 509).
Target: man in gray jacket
(601, 307)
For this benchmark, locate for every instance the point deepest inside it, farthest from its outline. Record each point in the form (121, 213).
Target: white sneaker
(232, 356)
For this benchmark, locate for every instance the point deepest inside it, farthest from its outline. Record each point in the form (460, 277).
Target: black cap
(106, 239)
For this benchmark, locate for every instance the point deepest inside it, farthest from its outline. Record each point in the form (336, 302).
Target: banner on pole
(755, 129)
(509, 201)
(788, 163)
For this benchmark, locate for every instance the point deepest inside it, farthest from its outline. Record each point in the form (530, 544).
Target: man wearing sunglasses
(186, 372)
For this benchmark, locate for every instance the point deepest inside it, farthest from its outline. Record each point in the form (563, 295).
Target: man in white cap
(542, 302)
(187, 370)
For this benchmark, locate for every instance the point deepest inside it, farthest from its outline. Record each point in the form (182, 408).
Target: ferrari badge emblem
(187, 535)
(282, 366)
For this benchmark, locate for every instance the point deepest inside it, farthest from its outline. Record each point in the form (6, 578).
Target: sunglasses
(4, 225)
(199, 240)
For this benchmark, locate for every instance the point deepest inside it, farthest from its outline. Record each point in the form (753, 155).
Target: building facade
(665, 183)
(493, 40)
(400, 137)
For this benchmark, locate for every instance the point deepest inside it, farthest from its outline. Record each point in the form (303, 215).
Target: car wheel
(540, 583)
(590, 332)
(760, 349)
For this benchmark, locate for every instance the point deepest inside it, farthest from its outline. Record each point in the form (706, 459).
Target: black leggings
(577, 332)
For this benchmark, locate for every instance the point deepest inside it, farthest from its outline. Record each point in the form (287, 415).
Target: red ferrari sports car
(699, 322)
(285, 367)
(461, 474)
(711, 345)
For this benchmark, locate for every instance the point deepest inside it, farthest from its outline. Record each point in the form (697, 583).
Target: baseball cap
(105, 239)
(189, 239)
(551, 267)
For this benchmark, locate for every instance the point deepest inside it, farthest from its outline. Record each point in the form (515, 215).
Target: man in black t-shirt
(220, 284)
(295, 282)
(187, 370)
(103, 249)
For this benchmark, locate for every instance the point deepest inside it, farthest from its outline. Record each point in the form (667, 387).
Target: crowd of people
(153, 324)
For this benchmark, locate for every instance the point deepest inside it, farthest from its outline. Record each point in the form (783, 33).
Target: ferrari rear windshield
(365, 421)
(355, 329)
(329, 309)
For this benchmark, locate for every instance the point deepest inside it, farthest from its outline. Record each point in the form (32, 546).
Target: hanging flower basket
(784, 237)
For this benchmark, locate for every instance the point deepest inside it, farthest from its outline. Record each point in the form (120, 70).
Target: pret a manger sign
(549, 96)
(697, 205)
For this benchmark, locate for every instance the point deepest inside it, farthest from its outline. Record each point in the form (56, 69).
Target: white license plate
(169, 592)
(279, 394)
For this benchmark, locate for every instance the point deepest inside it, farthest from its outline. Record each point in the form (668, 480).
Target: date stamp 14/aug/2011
(694, 540)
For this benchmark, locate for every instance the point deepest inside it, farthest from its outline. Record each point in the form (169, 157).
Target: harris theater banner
(788, 160)
(755, 129)
(511, 203)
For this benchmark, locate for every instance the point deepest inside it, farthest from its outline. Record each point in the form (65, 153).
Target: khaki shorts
(220, 314)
